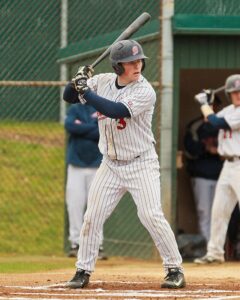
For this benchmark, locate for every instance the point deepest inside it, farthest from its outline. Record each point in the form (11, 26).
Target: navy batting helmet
(125, 51)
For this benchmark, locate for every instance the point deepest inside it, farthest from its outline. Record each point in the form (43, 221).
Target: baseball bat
(218, 90)
(129, 31)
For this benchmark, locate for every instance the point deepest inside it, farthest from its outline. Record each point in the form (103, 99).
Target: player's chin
(136, 75)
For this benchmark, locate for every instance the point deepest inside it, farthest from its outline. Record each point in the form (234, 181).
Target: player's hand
(210, 96)
(201, 98)
(81, 77)
(86, 71)
(80, 84)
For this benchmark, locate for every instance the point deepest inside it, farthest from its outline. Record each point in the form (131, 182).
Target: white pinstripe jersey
(125, 139)
(229, 140)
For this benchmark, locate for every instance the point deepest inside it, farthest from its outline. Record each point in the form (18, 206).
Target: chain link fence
(38, 40)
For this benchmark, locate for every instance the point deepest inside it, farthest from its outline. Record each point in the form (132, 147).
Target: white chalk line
(62, 285)
(99, 292)
(131, 293)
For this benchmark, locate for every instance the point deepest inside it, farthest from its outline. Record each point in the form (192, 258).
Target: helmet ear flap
(143, 64)
(118, 68)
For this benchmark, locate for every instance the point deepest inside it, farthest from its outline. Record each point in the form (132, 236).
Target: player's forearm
(106, 107)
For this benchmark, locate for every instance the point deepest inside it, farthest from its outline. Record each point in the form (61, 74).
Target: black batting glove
(80, 79)
(86, 71)
(80, 84)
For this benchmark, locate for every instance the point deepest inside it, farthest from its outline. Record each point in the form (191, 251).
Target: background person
(203, 164)
(227, 193)
(83, 159)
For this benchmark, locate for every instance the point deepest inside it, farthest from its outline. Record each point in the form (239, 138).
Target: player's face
(132, 71)
(235, 96)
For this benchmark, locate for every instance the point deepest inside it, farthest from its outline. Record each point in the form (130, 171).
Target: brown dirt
(119, 278)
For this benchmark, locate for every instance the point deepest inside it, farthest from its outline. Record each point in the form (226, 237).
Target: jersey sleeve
(140, 99)
(97, 80)
(233, 119)
(93, 83)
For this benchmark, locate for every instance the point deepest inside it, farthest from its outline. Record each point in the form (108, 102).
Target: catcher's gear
(232, 83)
(125, 51)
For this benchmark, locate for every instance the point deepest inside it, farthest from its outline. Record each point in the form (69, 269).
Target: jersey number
(121, 124)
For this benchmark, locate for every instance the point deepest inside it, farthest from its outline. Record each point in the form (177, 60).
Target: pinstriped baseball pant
(226, 197)
(141, 178)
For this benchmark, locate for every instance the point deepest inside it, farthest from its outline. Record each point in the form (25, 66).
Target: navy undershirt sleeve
(113, 110)
(218, 122)
(70, 95)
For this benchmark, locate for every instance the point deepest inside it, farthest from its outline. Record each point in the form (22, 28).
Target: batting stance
(125, 103)
(227, 193)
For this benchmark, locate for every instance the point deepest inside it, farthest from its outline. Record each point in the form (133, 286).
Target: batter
(125, 102)
(228, 188)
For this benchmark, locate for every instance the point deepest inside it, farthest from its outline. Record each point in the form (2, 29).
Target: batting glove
(201, 98)
(80, 84)
(86, 71)
(210, 96)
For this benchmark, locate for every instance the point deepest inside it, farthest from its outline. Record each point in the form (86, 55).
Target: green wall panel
(207, 7)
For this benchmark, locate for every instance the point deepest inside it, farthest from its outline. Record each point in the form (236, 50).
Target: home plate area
(119, 290)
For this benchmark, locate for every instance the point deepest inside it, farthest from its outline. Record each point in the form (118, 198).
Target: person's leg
(76, 199)
(143, 182)
(203, 190)
(234, 177)
(90, 176)
(223, 204)
(105, 193)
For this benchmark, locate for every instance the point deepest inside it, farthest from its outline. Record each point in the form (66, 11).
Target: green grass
(32, 160)
(29, 264)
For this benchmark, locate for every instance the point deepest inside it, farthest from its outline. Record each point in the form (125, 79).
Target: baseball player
(204, 165)
(125, 103)
(227, 193)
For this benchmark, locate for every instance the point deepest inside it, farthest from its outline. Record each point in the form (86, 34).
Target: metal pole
(166, 96)
(63, 67)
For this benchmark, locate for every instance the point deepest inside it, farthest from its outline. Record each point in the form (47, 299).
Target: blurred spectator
(83, 159)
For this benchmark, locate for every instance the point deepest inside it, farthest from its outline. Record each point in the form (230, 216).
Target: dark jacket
(81, 124)
(200, 162)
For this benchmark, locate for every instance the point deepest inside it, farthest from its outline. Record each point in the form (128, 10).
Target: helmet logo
(237, 83)
(135, 50)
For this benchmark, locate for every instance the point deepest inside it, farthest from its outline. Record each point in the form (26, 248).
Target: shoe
(174, 279)
(207, 259)
(101, 254)
(80, 280)
(73, 251)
